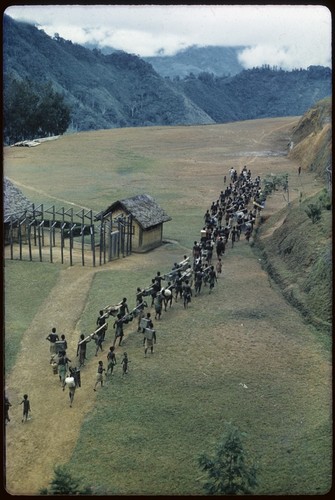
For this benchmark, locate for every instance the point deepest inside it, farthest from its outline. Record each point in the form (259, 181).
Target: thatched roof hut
(148, 218)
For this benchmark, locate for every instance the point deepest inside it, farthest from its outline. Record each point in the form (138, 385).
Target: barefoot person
(52, 337)
(111, 359)
(124, 363)
(26, 408)
(99, 377)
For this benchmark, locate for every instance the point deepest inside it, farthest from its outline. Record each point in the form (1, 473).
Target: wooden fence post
(52, 238)
(83, 244)
(29, 239)
(92, 243)
(101, 241)
(39, 239)
(20, 239)
(11, 238)
(62, 241)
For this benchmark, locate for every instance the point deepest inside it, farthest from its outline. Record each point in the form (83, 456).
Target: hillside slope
(103, 92)
(211, 59)
(312, 139)
(258, 92)
(298, 253)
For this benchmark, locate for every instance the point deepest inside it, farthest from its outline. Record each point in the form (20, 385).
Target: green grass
(27, 284)
(147, 429)
(298, 258)
(173, 406)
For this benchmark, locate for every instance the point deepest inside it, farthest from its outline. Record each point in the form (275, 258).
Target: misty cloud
(287, 36)
(286, 58)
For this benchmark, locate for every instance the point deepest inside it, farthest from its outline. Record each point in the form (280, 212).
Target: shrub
(227, 471)
(314, 212)
(64, 484)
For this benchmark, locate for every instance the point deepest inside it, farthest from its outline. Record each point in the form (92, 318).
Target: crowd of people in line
(231, 215)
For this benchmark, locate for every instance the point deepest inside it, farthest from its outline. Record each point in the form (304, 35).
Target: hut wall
(135, 242)
(143, 239)
(151, 238)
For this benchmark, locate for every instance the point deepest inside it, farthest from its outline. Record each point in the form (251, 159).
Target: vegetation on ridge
(298, 254)
(123, 90)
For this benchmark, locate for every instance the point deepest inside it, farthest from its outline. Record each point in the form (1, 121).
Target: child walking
(124, 363)
(100, 372)
(7, 406)
(26, 407)
(111, 359)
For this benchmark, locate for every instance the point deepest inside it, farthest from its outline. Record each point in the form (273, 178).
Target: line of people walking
(225, 221)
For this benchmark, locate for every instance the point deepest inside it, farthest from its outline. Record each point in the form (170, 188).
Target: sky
(288, 36)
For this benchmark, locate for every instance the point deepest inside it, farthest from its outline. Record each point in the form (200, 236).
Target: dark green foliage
(274, 182)
(228, 472)
(258, 92)
(314, 212)
(64, 484)
(298, 258)
(324, 200)
(32, 110)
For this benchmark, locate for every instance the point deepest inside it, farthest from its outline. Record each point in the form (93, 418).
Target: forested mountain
(210, 59)
(121, 89)
(103, 91)
(258, 93)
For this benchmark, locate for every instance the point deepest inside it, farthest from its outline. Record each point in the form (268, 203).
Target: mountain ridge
(123, 90)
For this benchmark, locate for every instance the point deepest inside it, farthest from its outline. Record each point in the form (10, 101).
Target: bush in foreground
(64, 484)
(228, 473)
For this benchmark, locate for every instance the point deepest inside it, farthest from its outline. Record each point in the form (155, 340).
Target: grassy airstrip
(146, 430)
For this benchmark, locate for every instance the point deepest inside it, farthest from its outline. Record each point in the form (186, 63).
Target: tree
(19, 104)
(314, 212)
(228, 473)
(64, 484)
(33, 110)
(52, 114)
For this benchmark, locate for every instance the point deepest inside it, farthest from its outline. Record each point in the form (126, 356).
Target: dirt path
(40, 191)
(34, 454)
(31, 454)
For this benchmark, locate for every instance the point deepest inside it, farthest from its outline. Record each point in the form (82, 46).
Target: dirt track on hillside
(33, 448)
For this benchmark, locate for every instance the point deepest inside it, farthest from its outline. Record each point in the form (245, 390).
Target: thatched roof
(144, 209)
(15, 203)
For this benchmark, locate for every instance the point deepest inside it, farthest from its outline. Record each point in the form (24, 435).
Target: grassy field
(240, 355)
(26, 288)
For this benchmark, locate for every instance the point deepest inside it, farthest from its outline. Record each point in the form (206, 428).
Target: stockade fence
(66, 236)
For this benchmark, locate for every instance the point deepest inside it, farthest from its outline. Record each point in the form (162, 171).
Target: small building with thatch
(147, 220)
